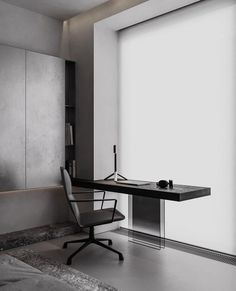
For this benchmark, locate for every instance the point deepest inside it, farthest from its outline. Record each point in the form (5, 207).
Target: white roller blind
(177, 115)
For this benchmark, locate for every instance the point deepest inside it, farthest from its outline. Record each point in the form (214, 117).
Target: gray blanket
(18, 276)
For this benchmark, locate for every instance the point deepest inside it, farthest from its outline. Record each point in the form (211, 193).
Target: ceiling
(59, 9)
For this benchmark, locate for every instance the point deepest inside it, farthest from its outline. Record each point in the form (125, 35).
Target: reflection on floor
(144, 269)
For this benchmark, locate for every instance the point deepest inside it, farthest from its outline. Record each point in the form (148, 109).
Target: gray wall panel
(26, 209)
(12, 118)
(45, 119)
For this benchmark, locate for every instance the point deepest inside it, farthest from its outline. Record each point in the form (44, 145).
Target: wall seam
(25, 120)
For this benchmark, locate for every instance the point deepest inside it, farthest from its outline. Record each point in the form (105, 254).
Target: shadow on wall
(9, 180)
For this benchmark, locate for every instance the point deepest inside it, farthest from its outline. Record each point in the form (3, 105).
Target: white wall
(28, 30)
(177, 115)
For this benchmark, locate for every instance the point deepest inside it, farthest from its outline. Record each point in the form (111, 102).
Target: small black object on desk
(164, 184)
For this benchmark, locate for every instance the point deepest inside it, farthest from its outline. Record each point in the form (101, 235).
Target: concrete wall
(30, 208)
(81, 40)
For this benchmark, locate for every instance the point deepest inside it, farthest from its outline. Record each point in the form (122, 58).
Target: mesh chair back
(69, 195)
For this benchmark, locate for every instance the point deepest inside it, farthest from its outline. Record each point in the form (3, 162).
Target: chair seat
(98, 217)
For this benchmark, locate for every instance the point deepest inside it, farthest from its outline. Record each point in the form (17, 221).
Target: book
(69, 140)
(67, 136)
(71, 168)
(71, 135)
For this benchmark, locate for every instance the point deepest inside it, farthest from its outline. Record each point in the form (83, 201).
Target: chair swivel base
(88, 241)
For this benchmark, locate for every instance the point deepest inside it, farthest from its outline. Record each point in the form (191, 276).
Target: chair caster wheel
(64, 246)
(69, 262)
(110, 242)
(121, 258)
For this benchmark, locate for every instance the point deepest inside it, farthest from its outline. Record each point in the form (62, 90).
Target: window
(177, 115)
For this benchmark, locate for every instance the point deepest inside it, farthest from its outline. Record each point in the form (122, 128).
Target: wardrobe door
(12, 118)
(45, 119)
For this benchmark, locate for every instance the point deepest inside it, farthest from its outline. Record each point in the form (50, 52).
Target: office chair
(90, 219)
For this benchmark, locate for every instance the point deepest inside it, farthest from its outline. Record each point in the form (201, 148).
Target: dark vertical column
(70, 110)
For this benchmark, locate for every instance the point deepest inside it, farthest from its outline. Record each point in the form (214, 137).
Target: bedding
(15, 275)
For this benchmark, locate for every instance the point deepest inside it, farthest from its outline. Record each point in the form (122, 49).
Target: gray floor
(144, 269)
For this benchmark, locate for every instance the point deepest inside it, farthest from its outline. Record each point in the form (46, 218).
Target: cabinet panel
(12, 118)
(45, 119)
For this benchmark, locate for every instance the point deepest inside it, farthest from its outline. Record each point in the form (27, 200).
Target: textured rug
(37, 234)
(60, 271)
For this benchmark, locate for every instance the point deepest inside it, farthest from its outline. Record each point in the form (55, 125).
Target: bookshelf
(70, 119)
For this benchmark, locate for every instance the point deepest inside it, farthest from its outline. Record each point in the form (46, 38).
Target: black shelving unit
(70, 117)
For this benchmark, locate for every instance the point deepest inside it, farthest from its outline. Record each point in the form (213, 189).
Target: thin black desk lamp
(115, 173)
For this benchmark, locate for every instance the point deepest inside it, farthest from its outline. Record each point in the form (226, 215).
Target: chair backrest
(69, 195)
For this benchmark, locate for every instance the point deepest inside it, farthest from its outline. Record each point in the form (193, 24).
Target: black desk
(178, 193)
(146, 206)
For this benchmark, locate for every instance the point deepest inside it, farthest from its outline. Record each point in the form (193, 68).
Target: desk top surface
(178, 193)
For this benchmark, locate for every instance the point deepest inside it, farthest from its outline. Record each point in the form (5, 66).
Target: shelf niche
(70, 119)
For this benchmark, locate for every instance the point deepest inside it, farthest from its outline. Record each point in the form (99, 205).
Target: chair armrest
(92, 192)
(87, 192)
(97, 200)
(91, 200)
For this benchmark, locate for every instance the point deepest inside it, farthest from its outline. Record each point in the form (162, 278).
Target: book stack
(69, 134)
(71, 167)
